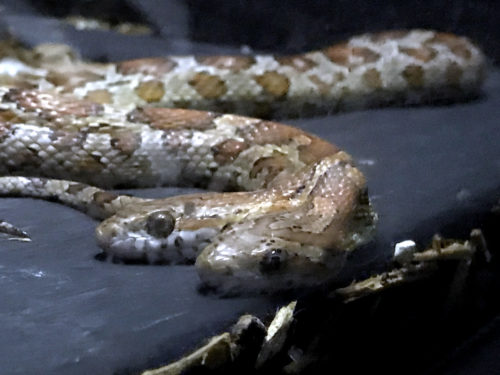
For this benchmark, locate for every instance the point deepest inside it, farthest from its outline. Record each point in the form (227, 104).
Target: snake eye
(160, 224)
(273, 260)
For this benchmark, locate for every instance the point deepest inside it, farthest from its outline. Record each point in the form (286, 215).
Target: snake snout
(118, 240)
(103, 236)
(109, 235)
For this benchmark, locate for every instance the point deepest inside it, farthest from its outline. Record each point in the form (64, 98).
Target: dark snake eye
(160, 224)
(273, 260)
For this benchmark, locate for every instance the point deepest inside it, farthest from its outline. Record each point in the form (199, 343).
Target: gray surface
(65, 312)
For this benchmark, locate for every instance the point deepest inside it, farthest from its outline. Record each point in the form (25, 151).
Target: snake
(285, 207)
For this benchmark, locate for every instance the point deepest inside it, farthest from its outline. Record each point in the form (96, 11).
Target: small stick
(14, 232)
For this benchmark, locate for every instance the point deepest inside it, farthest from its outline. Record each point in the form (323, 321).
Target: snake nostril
(108, 232)
(104, 236)
(273, 260)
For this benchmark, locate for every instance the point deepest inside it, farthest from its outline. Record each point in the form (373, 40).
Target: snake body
(299, 204)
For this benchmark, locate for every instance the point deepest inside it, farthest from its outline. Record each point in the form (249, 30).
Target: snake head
(151, 236)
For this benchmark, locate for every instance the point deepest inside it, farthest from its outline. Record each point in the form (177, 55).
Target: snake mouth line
(180, 247)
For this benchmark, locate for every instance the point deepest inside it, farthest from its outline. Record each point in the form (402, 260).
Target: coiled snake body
(299, 203)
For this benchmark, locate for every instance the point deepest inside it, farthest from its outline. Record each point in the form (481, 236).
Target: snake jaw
(130, 246)
(136, 241)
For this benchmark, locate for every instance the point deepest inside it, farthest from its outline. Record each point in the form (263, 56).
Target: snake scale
(289, 206)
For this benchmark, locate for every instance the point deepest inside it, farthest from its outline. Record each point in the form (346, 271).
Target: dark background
(431, 169)
(268, 25)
